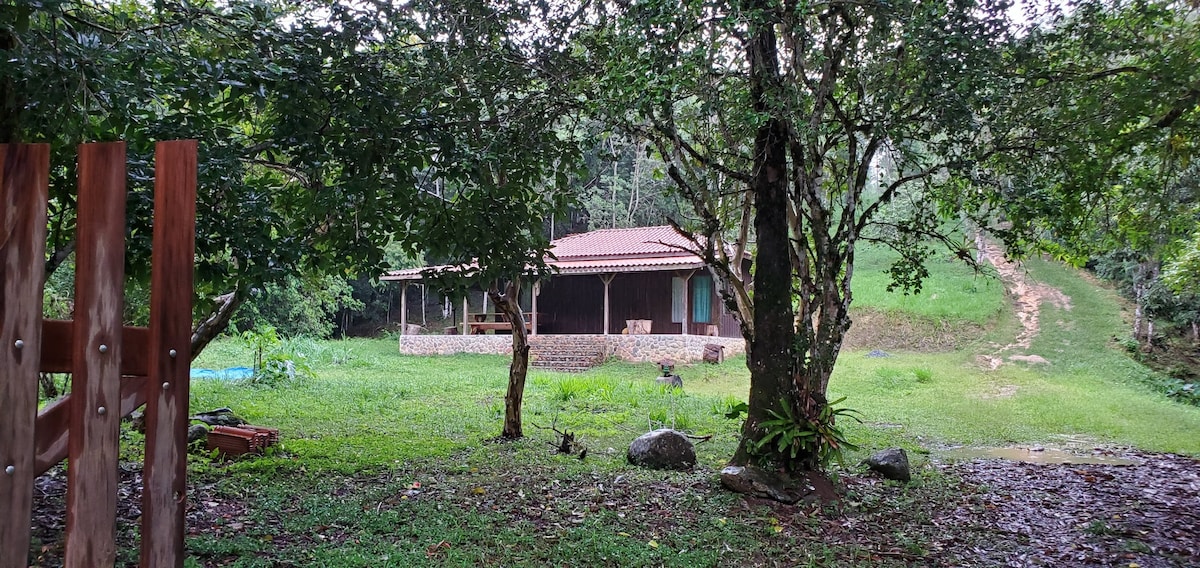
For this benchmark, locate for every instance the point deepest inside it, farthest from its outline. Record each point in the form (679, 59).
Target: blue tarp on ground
(228, 374)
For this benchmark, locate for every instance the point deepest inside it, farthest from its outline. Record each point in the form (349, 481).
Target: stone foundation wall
(678, 348)
(451, 344)
(635, 348)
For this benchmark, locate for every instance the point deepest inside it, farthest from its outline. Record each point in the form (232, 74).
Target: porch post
(466, 326)
(403, 307)
(537, 289)
(607, 279)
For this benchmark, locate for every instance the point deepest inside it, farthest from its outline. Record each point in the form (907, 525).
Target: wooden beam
(24, 171)
(537, 289)
(54, 421)
(607, 278)
(96, 378)
(164, 477)
(404, 307)
(58, 340)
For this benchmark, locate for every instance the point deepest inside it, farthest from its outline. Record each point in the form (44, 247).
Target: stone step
(579, 352)
(569, 360)
(565, 368)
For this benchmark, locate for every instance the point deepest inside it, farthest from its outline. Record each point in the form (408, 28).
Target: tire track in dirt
(1028, 297)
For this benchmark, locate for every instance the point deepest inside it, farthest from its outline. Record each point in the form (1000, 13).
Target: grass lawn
(388, 460)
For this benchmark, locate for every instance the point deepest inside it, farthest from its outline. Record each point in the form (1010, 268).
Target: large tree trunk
(772, 349)
(509, 304)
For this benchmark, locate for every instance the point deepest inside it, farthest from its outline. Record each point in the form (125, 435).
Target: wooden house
(611, 281)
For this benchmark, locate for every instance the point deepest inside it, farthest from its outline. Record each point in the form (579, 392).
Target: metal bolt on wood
(103, 348)
(172, 353)
(101, 411)
(166, 386)
(10, 470)
(19, 344)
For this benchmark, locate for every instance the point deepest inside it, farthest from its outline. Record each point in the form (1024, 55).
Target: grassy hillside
(952, 293)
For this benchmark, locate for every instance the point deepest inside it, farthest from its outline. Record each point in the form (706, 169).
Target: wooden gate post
(95, 408)
(164, 492)
(114, 369)
(24, 171)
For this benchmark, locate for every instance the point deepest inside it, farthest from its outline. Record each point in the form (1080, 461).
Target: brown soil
(1027, 297)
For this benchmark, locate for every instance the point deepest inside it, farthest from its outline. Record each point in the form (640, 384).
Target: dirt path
(1028, 297)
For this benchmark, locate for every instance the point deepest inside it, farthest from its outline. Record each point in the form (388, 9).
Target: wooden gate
(114, 369)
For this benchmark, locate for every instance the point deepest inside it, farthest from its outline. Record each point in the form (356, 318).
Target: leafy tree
(1114, 102)
(297, 306)
(626, 185)
(772, 118)
(324, 128)
(503, 166)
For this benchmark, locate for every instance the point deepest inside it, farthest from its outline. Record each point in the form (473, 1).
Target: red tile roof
(635, 242)
(638, 249)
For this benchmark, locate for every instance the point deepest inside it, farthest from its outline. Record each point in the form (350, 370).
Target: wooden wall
(575, 304)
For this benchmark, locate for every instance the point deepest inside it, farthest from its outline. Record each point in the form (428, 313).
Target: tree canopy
(793, 130)
(326, 129)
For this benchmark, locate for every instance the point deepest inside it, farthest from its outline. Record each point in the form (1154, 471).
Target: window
(702, 288)
(678, 290)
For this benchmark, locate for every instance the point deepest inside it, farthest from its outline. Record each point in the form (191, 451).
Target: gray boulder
(891, 463)
(197, 433)
(662, 449)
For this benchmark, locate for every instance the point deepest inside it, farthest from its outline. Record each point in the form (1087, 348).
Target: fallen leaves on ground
(971, 513)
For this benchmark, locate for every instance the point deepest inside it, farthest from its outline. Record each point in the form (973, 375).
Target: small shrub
(670, 418)
(569, 388)
(730, 407)
(275, 363)
(923, 374)
(790, 437)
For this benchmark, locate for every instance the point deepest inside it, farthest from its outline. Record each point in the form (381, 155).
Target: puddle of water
(1027, 455)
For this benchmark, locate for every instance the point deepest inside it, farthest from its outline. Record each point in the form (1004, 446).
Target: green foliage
(326, 130)
(274, 363)
(1182, 274)
(1140, 281)
(58, 294)
(732, 408)
(789, 437)
(625, 184)
(1113, 108)
(297, 306)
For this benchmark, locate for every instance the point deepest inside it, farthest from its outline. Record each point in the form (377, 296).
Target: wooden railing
(480, 322)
